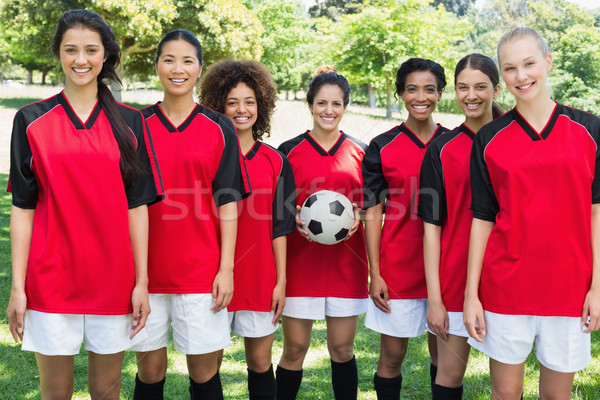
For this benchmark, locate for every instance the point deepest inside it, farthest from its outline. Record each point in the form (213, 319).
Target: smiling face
(241, 108)
(420, 94)
(524, 68)
(328, 108)
(178, 68)
(81, 56)
(475, 93)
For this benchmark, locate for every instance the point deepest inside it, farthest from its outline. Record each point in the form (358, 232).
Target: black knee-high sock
(210, 390)
(148, 391)
(432, 373)
(446, 393)
(288, 383)
(261, 386)
(344, 379)
(387, 388)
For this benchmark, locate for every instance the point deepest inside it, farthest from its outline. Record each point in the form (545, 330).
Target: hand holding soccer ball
(327, 217)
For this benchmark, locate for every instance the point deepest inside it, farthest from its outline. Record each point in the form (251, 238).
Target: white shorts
(196, 329)
(252, 324)
(55, 334)
(456, 326)
(316, 308)
(407, 319)
(560, 343)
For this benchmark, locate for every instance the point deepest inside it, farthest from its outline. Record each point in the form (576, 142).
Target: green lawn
(19, 378)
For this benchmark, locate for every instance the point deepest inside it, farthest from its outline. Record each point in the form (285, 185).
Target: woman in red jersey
(324, 282)
(193, 232)
(444, 199)
(533, 269)
(398, 305)
(245, 92)
(81, 178)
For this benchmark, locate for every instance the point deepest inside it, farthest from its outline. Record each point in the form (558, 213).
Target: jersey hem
(24, 206)
(430, 220)
(544, 313)
(80, 311)
(284, 233)
(255, 309)
(484, 217)
(408, 296)
(179, 291)
(341, 296)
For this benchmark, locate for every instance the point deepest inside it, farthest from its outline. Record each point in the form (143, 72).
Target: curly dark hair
(419, 64)
(225, 75)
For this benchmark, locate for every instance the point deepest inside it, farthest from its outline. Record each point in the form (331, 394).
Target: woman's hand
(590, 317)
(379, 294)
(437, 319)
(300, 225)
(278, 302)
(222, 290)
(141, 308)
(15, 312)
(473, 318)
(356, 223)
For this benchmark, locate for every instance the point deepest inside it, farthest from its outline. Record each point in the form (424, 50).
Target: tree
(374, 43)
(334, 9)
(578, 54)
(285, 40)
(458, 7)
(225, 28)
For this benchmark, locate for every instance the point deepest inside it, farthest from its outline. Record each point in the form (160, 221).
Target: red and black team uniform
(444, 200)
(390, 171)
(537, 188)
(80, 260)
(202, 169)
(313, 269)
(266, 215)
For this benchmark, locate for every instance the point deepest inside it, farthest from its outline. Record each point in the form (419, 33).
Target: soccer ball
(328, 216)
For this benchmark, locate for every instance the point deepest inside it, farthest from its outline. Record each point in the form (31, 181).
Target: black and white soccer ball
(328, 216)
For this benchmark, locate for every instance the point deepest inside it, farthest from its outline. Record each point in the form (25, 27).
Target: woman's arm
(437, 316)
(473, 311)
(591, 306)
(379, 290)
(21, 230)
(278, 298)
(138, 236)
(222, 289)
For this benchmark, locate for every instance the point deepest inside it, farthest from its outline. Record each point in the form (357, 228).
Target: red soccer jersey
(80, 260)
(390, 172)
(444, 199)
(201, 167)
(268, 214)
(538, 189)
(313, 269)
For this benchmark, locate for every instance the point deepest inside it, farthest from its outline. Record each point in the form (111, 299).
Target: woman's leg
(555, 385)
(432, 344)
(56, 376)
(507, 380)
(296, 340)
(388, 378)
(453, 356)
(340, 343)
(150, 380)
(261, 380)
(104, 375)
(205, 382)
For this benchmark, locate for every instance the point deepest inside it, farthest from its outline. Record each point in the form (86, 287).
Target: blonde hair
(324, 69)
(518, 31)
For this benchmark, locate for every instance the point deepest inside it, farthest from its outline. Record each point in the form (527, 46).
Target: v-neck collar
(167, 122)
(532, 133)
(320, 149)
(75, 120)
(406, 130)
(467, 131)
(253, 150)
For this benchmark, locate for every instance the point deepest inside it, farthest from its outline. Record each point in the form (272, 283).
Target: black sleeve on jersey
(374, 183)
(228, 183)
(483, 198)
(288, 145)
(284, 201)
(594, 129)
(23, 184)
(143, 189)
(432, 206)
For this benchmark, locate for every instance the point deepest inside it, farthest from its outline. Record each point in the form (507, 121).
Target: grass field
(19, 377)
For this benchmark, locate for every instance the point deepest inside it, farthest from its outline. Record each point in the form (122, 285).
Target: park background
(366, 40)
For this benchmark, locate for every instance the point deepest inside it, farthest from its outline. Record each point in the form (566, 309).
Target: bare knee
(294, 351)
(507, 392)
(450, 377)
(152, 366)
(341, 352)
(57, 391)
(202, 367)
(105, 388)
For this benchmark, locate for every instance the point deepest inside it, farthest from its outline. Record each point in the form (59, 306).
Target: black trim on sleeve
(375, 186)
(284, 200)
(432, 201)
(287, 146)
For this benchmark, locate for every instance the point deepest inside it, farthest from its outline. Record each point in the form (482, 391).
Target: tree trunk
(29, 78)
(388, 106)
(372, 97)
(45, 72)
